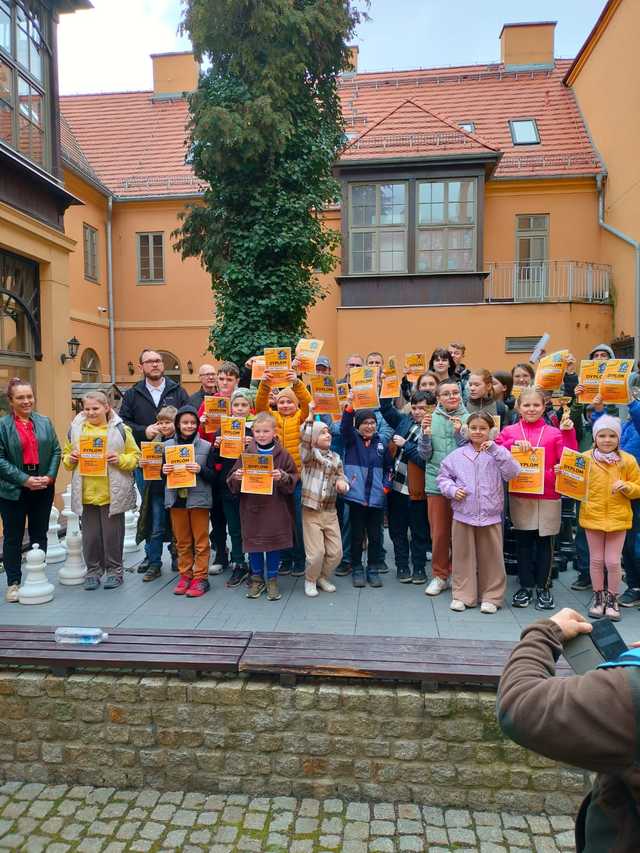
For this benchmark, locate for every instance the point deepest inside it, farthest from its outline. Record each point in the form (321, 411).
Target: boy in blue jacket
(407, 501)
(365, 462)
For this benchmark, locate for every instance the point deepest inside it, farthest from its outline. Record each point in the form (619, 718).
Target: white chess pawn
(130, 527)
(73, 572)
(56, 552)
(35, 588)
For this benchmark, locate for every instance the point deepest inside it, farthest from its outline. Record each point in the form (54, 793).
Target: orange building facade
(472, 209)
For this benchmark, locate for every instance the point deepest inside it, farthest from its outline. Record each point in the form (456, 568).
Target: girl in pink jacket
(472, 478)
(536, 518)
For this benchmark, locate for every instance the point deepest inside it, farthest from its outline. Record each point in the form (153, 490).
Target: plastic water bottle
(81, 636)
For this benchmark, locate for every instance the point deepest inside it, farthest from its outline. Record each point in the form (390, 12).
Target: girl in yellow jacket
(103, 496)
(292, 410)
(605, 513)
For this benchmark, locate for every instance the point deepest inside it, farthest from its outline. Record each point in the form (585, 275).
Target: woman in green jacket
(29, 462)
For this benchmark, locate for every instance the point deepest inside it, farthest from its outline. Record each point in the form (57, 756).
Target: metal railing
(548, 281)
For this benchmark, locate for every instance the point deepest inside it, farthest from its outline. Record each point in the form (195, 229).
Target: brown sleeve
(232, 483)
(584, 720)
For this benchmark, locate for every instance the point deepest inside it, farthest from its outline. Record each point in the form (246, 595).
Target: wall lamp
(73, 345)
(130, 367)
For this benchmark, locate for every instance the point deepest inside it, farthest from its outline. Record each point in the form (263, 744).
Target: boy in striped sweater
(322, 480)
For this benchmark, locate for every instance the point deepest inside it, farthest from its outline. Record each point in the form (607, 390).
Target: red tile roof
(488, 96)
(410, 130)
(136, 144)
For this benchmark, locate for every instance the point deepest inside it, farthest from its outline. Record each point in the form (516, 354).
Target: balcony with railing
(548, 281)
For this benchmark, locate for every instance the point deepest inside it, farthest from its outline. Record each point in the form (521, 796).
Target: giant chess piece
(130, 528)
(56, 552)
(73, 572)
(35, 588)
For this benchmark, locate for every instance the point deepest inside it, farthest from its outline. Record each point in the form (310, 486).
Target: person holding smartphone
(590, 721)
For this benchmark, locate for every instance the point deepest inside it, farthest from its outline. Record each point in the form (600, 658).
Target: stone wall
(253, 736)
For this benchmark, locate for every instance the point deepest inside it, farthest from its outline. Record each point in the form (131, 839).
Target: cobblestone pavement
(34, 817)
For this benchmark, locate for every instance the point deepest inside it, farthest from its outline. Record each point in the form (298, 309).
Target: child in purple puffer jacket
(472, 478)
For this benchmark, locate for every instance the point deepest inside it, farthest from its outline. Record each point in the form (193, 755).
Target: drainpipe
(112, 336)
(636, 245)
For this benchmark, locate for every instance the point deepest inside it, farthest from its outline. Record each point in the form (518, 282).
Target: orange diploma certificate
(323, 391)
(232, 437)
(364, 387)
(214, 408)
(571, 479)
(179, 455)
(390, 379)
(415, 363)
(152, 452)
(530, 480)
(550, 372)
(614, 385)
(257, 368)
(307, 352)
(257, 474)
(277, 361)
(590, 375)
(342, 389)
(93, 456)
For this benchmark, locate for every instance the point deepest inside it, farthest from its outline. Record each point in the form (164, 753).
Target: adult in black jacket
(140, 406)
(139, 409)
(208, 376)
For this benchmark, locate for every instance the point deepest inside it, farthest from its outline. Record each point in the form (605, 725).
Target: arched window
(171, 365)
(90, 366)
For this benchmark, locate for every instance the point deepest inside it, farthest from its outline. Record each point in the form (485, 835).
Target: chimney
(527, 46)
(174, 74)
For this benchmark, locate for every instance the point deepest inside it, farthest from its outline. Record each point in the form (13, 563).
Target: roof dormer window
(524, 131)
(467, 126)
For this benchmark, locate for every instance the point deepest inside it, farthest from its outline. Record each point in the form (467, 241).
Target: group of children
(433, 460)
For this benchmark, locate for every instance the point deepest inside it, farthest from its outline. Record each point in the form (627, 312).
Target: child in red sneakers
(189, 507)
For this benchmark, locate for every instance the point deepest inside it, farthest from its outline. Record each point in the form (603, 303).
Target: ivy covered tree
(265, 130)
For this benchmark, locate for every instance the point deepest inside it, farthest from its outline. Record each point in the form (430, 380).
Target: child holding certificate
(471, 478)
(266, 512)
(292, 408)
(153, 525)
(187, 495)
(102, 485)
(322, 480)
(605, 513)
(534, 504)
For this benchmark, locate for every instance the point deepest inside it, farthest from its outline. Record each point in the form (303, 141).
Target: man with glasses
(352, 361)
(140, 406)
(208, 376)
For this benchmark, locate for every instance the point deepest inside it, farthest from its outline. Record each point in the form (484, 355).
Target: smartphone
(586, 651)
(607, 640)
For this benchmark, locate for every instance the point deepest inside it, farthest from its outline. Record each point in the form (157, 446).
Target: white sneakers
(216, 569)
(436, 586)
(488, 607)
(310, 589)
(11, 594)
(457, 605)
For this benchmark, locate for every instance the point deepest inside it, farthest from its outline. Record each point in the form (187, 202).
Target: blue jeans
(296, 556)
(345, 528)
(159, 518)
(256, 562)
(629, 561)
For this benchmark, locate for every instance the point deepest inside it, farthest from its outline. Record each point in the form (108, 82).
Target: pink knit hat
(607, 422)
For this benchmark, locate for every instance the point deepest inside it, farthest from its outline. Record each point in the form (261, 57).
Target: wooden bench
(184, 652)
(429, 662)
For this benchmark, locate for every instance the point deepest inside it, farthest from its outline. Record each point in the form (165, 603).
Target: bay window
(446, 226)
(378, 221)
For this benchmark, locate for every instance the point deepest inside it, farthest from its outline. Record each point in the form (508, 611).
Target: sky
(107, 49)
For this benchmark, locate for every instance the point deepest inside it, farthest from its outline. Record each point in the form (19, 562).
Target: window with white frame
(378, 228)
(150, 257)
(24, 79)
(446, 225)
(90, 244)
(524, 131)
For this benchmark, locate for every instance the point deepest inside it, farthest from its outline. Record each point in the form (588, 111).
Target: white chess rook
(35, 588)
(130, 527)
(56, 552)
